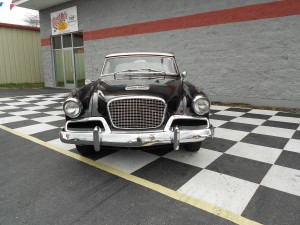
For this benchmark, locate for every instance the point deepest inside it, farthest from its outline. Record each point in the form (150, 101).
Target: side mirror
(183, 74)
(87, 81)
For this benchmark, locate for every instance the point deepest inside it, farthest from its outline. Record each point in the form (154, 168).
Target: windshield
(137, 64)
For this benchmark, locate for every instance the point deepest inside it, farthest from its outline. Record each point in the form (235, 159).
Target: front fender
(189, 93)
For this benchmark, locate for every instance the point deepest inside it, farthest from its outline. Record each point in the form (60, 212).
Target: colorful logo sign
(64, 21)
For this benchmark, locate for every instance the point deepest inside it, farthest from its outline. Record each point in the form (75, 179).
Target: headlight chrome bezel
(204, 100)
(79, 104)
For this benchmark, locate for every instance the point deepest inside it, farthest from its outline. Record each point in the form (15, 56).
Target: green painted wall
(20, 56)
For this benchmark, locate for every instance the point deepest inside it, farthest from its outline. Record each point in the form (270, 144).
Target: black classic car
(140, 100)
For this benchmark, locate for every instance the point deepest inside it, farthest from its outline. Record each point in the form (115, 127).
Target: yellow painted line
(215, 210)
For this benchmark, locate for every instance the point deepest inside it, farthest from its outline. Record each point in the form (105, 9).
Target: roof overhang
(38, 4)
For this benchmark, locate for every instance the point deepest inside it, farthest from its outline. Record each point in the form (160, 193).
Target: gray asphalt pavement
(41, 186)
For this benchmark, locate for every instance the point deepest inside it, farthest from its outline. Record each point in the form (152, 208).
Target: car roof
(140, 54)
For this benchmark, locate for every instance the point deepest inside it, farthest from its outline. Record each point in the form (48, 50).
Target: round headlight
(201, 105)
(72, 107)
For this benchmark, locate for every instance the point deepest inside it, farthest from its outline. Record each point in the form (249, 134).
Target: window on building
(68, 57)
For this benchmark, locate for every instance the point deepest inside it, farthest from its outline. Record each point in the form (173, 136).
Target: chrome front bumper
(106, 137)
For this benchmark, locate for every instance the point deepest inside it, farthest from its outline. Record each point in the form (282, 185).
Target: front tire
(193, 147)
(85, 149)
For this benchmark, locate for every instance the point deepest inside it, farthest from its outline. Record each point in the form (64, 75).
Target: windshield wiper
(121, 71)
(124, 71)
(155, 71)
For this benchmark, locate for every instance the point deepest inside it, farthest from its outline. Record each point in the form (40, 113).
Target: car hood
(178, 94)
(165, 88)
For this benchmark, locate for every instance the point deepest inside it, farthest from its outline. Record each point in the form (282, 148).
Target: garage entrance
(68, 60)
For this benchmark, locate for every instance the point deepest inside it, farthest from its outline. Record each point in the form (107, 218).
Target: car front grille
(136, 112)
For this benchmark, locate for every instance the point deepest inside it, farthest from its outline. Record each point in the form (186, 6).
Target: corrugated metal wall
(20, 56)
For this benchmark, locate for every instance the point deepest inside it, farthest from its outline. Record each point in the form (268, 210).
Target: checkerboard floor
(251, 167)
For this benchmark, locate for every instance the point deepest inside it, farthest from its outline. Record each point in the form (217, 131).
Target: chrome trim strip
(139, 53)
(137, 97)
(184, 117)
(137, 87)
(101, 119)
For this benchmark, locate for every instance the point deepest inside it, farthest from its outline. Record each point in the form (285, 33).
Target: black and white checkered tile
(252, 163)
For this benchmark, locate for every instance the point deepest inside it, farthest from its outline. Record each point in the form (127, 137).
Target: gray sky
(15, 16)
